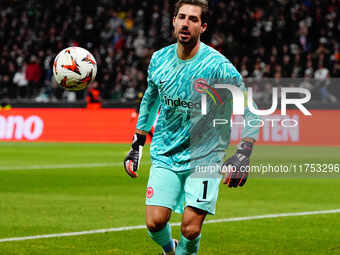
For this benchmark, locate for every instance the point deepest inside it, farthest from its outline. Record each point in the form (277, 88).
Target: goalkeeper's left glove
(236, 168)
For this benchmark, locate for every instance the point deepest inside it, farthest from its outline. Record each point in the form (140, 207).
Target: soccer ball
(74, 68)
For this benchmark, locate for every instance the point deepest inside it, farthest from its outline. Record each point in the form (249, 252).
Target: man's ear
(173, 21)
(204, 27)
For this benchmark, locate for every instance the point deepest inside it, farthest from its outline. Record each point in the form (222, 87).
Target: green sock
(188, 247)
(163, 238)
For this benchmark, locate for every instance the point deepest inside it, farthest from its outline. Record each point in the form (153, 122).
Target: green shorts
(176, 190)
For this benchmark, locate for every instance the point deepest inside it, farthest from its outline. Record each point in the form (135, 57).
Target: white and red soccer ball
(74, 68)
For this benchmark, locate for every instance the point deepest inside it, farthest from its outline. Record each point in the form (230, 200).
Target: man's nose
(185, 27)
(186, 23)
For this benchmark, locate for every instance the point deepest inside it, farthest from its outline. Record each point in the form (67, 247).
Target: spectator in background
(93, 98)
(119, 39)
(139, 44)
(322, 76)
(21, 82)
(3, 66)
(4, 86)
(286, 67)
(322, 49)
(257, 74)
(33, 76)
(4, 92)
(267, 71)
(117, 92)
(107, 86)
(307, 83)
(267, 92)
(297, 68)
(130, 93)
(107, 33)
(244, 72)
(309, 69)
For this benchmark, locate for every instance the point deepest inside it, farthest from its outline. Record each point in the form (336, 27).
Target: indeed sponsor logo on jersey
(180, 102)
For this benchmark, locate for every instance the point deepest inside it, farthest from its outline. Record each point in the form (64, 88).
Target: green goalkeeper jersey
(183, 134)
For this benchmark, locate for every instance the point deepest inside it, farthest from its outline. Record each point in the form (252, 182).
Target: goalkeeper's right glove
(131, 162)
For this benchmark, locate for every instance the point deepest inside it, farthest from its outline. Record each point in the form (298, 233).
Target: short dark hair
(201, 3)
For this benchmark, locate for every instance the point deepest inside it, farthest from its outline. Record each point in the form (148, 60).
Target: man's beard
(191, 42)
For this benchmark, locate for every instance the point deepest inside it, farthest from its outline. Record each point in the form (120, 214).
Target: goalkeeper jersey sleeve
(150, 102)
(227, 72)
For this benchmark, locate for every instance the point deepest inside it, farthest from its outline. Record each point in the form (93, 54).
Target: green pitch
(48, 188)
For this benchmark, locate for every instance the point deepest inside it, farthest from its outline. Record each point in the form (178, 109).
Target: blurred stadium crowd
(263, 39)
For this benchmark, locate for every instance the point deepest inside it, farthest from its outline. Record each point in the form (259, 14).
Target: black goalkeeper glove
(131, 162)
(236, 168)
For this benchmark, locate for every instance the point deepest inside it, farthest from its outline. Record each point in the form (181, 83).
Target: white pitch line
(63, 166)
(267, 216)
(58, 166)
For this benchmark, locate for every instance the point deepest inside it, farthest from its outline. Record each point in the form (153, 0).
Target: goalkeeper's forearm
(250, 133)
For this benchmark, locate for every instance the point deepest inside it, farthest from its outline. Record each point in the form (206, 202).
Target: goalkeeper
(180, 142)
